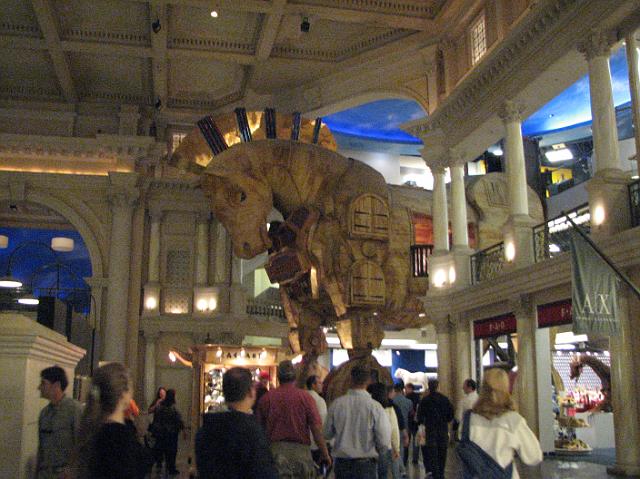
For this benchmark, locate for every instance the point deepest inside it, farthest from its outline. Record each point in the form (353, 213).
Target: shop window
(369, 217)
(478, 39)
(366, 282)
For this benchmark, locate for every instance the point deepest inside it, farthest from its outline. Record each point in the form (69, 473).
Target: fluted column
(122, 197)
(458, 208)
(597, 49)
(633, 60)
(444, 339)
(202, 249)
(439, 212)
(154, 245)
(526, 382)
(222, 255)
(462, 356)
(150, 366)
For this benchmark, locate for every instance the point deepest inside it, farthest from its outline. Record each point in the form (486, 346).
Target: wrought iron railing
(420, 259)
(487, 264)
(552, 237)
(264, 308)
(634, 203)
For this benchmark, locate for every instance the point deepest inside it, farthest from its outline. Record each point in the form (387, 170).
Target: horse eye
(243, 196)
(236, 196)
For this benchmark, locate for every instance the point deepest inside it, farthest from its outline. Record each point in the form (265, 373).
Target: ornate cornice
(596, 44)
(504, 63)
(101, 147)
(511, 111)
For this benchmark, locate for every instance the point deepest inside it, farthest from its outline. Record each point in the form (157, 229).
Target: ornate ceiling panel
(116, 21)
(18, 18)
(196, 79)
(111, 78)
(420, 8)
(31, 75)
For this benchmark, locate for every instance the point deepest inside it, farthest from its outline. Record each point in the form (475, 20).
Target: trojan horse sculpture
(340, 256)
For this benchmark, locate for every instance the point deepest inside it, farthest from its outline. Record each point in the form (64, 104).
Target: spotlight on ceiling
(305, 25)
(214, 14)
(155, 26)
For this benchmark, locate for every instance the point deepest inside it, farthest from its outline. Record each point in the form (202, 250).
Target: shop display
(566, 424)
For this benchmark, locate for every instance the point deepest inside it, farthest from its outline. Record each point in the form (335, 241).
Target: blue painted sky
(380, 120)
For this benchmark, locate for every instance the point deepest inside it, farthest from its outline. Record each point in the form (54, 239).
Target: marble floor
(551, 468)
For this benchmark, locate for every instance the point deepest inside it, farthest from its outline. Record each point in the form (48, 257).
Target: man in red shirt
(288, 415)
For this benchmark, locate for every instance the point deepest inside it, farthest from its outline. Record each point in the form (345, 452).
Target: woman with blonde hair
(497, 428)
(107, 448)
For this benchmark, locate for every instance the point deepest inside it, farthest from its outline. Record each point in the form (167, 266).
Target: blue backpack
(475, 461)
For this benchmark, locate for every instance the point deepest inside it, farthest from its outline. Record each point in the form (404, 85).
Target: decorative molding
(102, 36)
(497, 66)
(416, 8)
(596, 44)
(511, 111)
(211, 44)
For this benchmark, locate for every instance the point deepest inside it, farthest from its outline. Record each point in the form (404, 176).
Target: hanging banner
(554, 314)
(497, 326)
(594, 290)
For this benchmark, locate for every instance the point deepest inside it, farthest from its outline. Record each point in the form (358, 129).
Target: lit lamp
(510, 251)
(62, 244)
(598, 215)
(29, 300)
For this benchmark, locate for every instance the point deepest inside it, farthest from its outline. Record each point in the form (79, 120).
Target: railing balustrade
(420, 259)
(634, 203)
(552, 237)
(264, 308)
(487, 264)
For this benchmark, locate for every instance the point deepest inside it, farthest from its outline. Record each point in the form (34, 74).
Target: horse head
(575, 368)
(240, 198)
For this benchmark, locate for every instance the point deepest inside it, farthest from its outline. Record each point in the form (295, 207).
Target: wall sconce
(205, 302)
(598, 215)
(440, 278)
(452, 274)
(64, 245)
(151, 302)
(509, 251)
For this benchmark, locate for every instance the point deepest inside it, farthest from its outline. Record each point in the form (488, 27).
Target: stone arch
(370, 96)
(75, 218)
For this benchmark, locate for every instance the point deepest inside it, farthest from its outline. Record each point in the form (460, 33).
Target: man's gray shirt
(359, 425)
(57, 432)
(405, 405)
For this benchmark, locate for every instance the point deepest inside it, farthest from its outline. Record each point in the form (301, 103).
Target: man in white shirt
(314, 388)
(361, 429)
(467, 402)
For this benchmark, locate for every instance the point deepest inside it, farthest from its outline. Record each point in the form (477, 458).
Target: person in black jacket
(232, 444)
(435, 412)
(167, 424)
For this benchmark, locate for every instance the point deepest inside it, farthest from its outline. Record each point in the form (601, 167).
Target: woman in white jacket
(497, 428)
(378, 392)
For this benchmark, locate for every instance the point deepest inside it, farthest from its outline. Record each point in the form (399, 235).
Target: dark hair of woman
(378, 392)
(170, 398)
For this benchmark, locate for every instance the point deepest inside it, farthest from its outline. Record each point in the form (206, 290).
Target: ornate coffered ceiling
(108, 51)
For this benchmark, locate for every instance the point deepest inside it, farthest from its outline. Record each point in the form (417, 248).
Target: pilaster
(150, 339)
(633, 62)
(444, 337)
(129, 117)
(202, 248)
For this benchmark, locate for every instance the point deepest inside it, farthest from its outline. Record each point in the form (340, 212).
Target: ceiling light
(29, 299)
(214, 14)
(566, 347)
(569, 338)
(9, 282)
(554, 248)
(562, 154)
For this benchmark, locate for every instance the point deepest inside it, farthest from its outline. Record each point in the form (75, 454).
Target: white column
(115, 330)
(596, 49)
(458, 208)
(462, 356)
(202, 249)
(439, 212)
(633, 60)
(511, 115)
(154, 245)
(150, 366)
(443, 336)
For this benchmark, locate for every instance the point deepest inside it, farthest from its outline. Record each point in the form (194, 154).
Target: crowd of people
(370, 432)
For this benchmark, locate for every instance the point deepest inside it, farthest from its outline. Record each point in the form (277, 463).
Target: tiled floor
(551, 468)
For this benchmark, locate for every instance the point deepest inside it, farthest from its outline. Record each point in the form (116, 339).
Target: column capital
(521, 304)
(596, 44)
(443, 325)
(150, 336)
(511, 111)
(447, 43)
(156, 214)
(123, 197)
(203, 217)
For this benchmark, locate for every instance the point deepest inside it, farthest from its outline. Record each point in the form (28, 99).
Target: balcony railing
(634, 203)
(264, 308)
(552, 238)
(487, 264)
(420, 259)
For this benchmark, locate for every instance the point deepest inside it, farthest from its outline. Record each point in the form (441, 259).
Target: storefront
(580, 368)
(495, 341)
